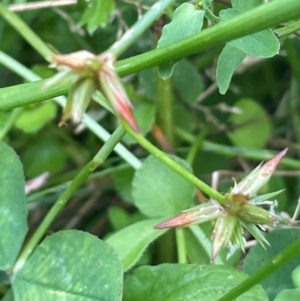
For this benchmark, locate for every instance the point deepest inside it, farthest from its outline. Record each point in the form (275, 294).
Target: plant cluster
(196, 90)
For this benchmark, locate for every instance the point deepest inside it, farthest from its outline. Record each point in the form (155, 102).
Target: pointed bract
(256, 233)
(261, 199)
(205, 212)
(222, 233)
(258, 177)
(61, 77)
(78, 100)
(114, 91)
(257, 215)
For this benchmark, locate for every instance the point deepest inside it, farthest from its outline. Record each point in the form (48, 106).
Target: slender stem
(17, 67)
(181, 248)
(266, 270)
(166, 247)
(288, 29)
(10, 122)
(165, 99)
(26, 32)
(56, 189)
(104, 135)
(40, 5)
(196, 145)
(208, 13)
(139, 27)
(293, 58)
(173, 165)
(251, 21)
(231, 151)
(66, 195)
(294, 92)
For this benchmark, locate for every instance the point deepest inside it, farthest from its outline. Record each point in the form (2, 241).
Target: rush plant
(171, 132)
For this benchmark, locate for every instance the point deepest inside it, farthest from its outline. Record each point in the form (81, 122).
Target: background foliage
(217, 112)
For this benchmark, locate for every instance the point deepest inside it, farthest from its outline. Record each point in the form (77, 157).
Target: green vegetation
(144, 185)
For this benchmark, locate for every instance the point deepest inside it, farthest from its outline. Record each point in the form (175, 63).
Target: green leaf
(182, 118)
(51, 157)
(70, 265)
(261, 44)
(123, 182)
(198, 250)
(290, 295)
(243, 5)
(296, 277)
(187, 20)
(229, 59)
(131, 242)
(187, 81)
(33, 119)
(160, 191)
(279, 239)
(252, 128)
(118, 217)
(13, 206)
(97, 14)
(147, 83)
(177, 282)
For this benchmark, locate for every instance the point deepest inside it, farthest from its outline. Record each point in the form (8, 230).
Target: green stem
(66, 195)
(165, 99)
(266, 270)
(243, 152)
(196, 144)
(56, 189)
(293, 58)
(294, 104)
(139, 27)
(288, 29)
(26, 32)
(173, 165)
(181, 248)
(10, 122)
(251, 21)
(208, 13)
(17, 68)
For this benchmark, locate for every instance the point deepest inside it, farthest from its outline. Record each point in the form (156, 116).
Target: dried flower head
(89, 72)
(239, 210)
